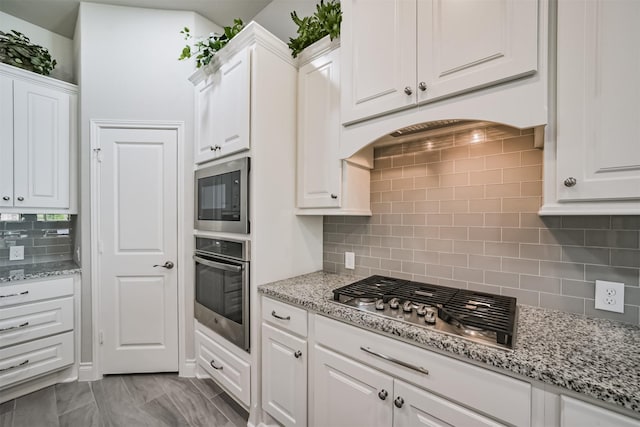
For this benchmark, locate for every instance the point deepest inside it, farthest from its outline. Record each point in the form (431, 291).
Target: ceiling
(60, 16)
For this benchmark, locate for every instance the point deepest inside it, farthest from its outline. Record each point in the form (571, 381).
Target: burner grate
(371, 287)
(422, 293)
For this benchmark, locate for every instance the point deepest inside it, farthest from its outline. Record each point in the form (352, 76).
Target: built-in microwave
(222, 197)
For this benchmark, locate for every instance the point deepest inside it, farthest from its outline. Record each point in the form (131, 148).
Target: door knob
(382, 394)
(168, 265)
(408, 90)
(422, 86)
(6, 198)
(570, 182)
(297, 354)
(20, 198)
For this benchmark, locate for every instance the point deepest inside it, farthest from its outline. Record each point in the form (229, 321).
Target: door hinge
(100, 337)
(98, 152)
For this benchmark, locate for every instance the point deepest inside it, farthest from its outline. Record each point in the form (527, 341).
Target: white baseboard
(86, 372)
(189, 368)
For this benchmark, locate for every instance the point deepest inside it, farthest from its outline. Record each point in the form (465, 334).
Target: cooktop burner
(481, 317)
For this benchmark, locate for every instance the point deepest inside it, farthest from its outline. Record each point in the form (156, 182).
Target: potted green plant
(204, 50)
(325, 21)
(16, 49)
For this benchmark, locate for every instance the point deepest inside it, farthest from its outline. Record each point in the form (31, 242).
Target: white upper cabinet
(223, 101)
(468, 44)
(397, 53)
(327, 184)
(318, 132)
(36, 141)
(592, 149)
(598, 105)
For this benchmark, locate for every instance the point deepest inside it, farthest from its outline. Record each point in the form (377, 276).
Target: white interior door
(138, 234)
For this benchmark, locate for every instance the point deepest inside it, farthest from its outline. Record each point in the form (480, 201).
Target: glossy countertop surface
(37, 271)
(595, 357)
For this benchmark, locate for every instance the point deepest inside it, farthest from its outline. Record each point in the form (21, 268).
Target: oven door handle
(220, 265)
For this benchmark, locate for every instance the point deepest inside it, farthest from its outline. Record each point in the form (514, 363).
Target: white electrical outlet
(610, 296)
(16, 253)
(350, 260)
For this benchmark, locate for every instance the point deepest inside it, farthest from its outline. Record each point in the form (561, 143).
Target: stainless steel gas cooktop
(477, 316)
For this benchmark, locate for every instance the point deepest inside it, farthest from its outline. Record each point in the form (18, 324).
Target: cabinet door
(204, 120)
(598, 104)
(378, 57)
(319, 132)
(41, 146)
(467, 44)
(347, 393)
(284, 376)
(6, 141)
(574, 413)
(231, 105)
(416, 407)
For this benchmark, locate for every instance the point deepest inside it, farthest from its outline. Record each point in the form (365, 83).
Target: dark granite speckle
(38, 271)
(596, 357)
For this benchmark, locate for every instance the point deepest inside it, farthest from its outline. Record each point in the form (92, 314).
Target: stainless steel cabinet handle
(422, 86)
(168, 265)
(14, 295)
(408, 90)
(394, 360)
(6, 198)
(15, 366)
(297, 354)
(273, 313)
(220, 265)
(570, 182)
(398, 402)
(217, 368)
(334, 196)
(22, 325)
(382, 394)
(20, 198)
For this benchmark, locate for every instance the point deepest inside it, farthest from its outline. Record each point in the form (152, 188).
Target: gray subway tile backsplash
(43, 240)
(466, 216)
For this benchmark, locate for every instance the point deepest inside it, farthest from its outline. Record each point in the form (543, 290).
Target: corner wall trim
(86, 372)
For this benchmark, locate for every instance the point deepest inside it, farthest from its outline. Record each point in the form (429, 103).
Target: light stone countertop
(37, 271)
(595, 357)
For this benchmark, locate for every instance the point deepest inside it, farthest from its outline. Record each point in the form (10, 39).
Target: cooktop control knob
(407, 306)
(422, 310)
(430, 316)
(394, 303)
(380, 304)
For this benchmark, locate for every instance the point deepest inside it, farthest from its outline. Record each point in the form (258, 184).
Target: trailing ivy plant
(325, 21)
(16, 49)
(205, 50)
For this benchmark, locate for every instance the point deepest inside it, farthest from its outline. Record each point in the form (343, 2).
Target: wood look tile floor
(126, 401)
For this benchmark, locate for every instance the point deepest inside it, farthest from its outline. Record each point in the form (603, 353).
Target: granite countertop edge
(18, 273)
(547, 348)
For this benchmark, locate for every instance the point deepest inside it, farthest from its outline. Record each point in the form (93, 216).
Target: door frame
(185, 367)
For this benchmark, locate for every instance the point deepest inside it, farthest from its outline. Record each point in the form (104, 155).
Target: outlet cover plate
(350, 260)
(610, 296)
(16, 253)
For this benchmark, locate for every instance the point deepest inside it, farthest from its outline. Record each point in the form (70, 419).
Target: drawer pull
(14, 295)
(273, 313)
(394, 360)
(15, 366)
(25, 324)
(217, 368)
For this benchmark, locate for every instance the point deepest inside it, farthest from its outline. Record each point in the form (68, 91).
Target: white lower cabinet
(576, 413)
(284, 385)
(347, 393)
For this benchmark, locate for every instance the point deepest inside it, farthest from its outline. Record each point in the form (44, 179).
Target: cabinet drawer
(26, 322)
(24, 361)
(24, 292)
(575, 413)
(223, 366)
(285, 316)
(498, 395)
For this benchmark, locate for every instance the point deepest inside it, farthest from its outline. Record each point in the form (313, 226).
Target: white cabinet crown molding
(35, 78)
(252, 33)
(317, 49)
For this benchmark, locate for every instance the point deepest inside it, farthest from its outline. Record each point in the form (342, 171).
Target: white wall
(60, 48)
(276, 17)
(129, 70)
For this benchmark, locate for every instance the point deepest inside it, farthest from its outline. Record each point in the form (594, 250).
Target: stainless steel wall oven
(222, 288)
(222, 197)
